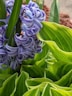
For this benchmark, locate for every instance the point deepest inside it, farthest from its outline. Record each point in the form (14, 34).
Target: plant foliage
(49, 73)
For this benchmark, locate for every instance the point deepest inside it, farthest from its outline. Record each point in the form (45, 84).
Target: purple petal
(11, 51)
(9, 3)
(32, 4)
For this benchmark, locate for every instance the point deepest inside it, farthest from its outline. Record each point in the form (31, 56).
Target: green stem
(2, 11)
(13, 20)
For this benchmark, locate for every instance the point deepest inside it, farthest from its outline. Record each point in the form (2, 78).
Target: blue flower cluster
(27, 44)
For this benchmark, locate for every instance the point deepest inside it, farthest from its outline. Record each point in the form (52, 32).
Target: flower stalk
(13, 19)
(2, 11)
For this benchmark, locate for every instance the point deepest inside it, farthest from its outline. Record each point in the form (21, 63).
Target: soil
(64, 18)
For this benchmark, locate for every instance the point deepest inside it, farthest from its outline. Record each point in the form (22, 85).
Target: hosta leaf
(39, 58)
(21, 86)
(60, 92)
(4, 74)
(43, 54)
(3, 77)
(60, 34)
(66, 68)
(55, 86)
(6, 71)
(55, 93)
(54, 12)
(8, 86)
(70, 85)
(51, 75)
(33, 70)
(50, 59)
(59, 54)
(55, 69)
(41, 63)
(2, 10)
(65, 80)
(37, 81)
(46, 90)
(63, 56)
(32, 92)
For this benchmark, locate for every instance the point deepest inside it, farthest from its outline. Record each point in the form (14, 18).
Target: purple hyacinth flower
(31, 17)
(5, 21)
(12, 56)
(27, 46)
(3, 54)
(30, 31)
(33, 4)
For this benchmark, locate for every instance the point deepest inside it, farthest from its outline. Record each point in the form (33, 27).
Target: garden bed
(64, 18)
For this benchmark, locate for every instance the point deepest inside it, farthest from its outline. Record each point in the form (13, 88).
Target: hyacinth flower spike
(27, 44)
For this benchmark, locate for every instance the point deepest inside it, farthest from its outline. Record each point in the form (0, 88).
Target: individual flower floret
(9, 6)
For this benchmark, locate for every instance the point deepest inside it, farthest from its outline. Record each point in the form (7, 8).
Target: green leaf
(13, 19)
(65, 80)
(41, 63)
(4, 74)
(55, 93)
(3, 77)
(51, 75)
(60, 92)
(21, 86)
(59, 54)
(33, 92)
(36, 81)
(2, 10)
(56, 70)
(66, 69)
(7, 71)
(33, 70)
(54, 12)
(42, 54)
(50, 59)
(8, 86)
(39, 58)
(60, 34)
(46, 90)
